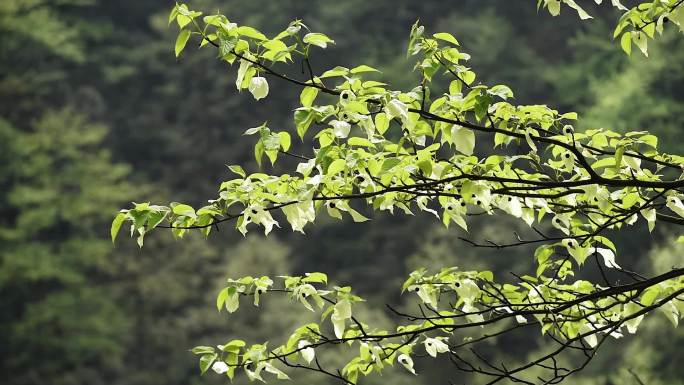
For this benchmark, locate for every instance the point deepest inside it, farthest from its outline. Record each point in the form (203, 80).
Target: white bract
(407, 362)
(650, 216)
(426, 293)
(434, 346)
(258, 86)
(562, 223)
(675, 204)
(616, 4)
(306, 352)
(640, 40)
(554, 6)
(228, 26)
(511, 205)
(219, 367)
(341, 129)
(589, 338)
(464, 139)
(473, 313)
(578, 253)
(256, 373)
(633, 323)
(258, 216)
(518, 318)
(242, 70)
(468, 290)
(261, 287)
(608, 257)
(273, 370)
(396, 109)
(346, 96)
(299, 215)
(301, 293)
(293, 29)
(233, 299)
(341, 312)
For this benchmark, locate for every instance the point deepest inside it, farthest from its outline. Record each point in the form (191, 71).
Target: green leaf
(284, 140)
(226, 45)
(650, 295)
(316, 278)
(234, 345)
(446, 37)
(501, 91)
(650, 140)
(464, 139)
(116, 225)
(221, 299)
(356, 216)
(232, 299)
(581, 12)
(259, 152)
(629, 200)
(173, 14)
(182, 209)
(626, 43)
(303, 119)
(274, 45)
(183, 20)
(381, 123)
(203, 350)
(468, 77)
(181, 40)
(341, 312)
(318, 39)
(337, 71)
(358, 141)
(618, 157)
(155, 218)
(251, 32)
(482, 103)
(486, 275)
(363, 68)
(206, 361)
(238, 170)
(308, 95)
(416, 33)
(389, 164)
(554, 7)
(640, 40)
(231, 360)
(336, 166)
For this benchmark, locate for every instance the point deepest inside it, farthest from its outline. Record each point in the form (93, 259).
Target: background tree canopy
(97, 112)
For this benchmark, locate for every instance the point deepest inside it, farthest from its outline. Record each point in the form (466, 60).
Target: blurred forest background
(96, 112)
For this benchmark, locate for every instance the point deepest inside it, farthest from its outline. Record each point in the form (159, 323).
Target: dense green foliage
(415, 151)
(78, 311)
